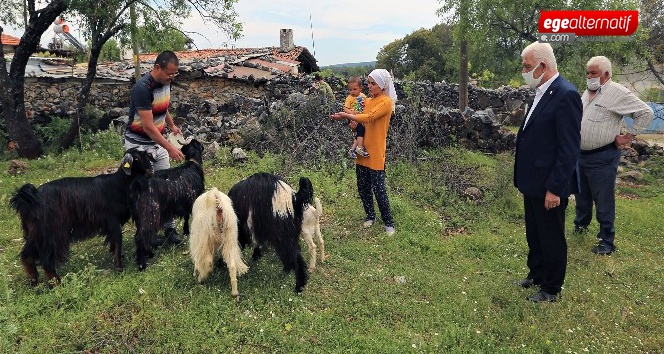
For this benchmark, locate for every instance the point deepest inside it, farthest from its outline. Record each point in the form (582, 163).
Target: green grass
(442, 284)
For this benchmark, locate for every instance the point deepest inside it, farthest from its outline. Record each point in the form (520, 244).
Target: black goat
(75, 208)
(269, 211)
(170, 193)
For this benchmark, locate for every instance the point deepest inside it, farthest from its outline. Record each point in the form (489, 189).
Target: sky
(344, 31)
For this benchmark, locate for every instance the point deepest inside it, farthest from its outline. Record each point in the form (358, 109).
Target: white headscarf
(385, 82)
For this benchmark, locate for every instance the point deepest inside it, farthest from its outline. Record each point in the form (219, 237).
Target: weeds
(441, 284)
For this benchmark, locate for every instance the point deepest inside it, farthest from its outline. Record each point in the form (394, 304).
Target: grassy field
(441, 284)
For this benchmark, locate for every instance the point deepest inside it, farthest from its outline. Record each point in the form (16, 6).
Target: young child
(355, 104)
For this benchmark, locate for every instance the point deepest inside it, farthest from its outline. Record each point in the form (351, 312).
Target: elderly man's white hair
(602, 62)
(542, 52)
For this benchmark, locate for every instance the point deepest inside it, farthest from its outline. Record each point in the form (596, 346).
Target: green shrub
(52, 133)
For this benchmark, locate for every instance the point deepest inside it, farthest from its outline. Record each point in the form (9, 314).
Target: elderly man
(547, 149)
(604, 105)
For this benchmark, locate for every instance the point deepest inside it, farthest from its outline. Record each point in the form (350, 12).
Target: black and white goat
(75, 208)
(170, 193)
(214, 231)
(269, 211)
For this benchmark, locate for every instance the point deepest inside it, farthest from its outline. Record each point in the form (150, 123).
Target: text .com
(589, 22)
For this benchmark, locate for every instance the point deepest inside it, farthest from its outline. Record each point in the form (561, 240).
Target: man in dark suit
(547, 149)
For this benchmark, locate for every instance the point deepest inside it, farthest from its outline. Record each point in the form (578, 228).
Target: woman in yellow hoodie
(370, 170)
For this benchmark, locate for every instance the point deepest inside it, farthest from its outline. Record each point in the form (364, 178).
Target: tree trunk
(463, 75)
(82, 98)
(83, 95)
(463, 54)
(13, 94)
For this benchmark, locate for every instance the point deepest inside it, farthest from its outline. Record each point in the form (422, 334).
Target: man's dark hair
(318, 76)
(166, 57)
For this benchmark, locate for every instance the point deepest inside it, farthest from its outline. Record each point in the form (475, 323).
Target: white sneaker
(389, 230)
(368, 223)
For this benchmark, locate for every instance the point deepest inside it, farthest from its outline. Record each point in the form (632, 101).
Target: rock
(210, 151)
(473, 193)
(631, 175)
(16, 167)
(239, 154)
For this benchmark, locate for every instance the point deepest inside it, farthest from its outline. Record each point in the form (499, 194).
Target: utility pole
(463, 55)
(134, 41)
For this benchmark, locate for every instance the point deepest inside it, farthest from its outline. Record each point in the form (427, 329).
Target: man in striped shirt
(149, 117)
(604, 105)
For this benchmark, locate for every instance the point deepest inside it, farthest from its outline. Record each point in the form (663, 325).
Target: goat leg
(30, 268)
(115, 235)
(51, 275)
(258, 253)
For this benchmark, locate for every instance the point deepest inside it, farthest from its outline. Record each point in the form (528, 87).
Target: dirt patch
(628, 196)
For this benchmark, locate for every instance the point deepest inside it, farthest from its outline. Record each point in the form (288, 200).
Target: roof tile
(10, 40)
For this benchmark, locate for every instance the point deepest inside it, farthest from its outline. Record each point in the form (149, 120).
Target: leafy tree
(12, 83)
(652, 12)
(110, 51)
(348, 71)
(112, 16)
(101, 21)
(154, 38)
(500, 29)
(421, 55)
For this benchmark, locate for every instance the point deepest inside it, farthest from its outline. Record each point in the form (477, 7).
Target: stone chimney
(286, 40)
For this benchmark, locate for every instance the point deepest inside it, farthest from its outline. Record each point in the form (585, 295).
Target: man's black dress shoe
(603, 248)
(543, 296)
(525, 283)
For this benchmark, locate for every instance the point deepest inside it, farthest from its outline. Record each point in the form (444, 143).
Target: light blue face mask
(530, 80)
(593, 84)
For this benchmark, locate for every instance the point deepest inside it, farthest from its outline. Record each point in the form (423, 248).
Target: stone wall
(216, 108)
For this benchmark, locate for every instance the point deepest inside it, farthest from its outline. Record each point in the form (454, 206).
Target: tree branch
(651, 66)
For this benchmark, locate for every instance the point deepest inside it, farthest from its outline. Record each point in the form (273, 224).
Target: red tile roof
(10, 40)
(293, 54)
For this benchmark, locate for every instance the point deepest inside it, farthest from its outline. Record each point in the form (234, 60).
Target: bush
(52, 133)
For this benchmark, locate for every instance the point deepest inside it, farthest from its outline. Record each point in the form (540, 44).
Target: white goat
(311, 225)
(214, 228)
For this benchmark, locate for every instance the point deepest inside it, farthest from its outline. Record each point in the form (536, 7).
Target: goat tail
(230, 247)
(203, 232)
(27, 203)
(305, 194)
(25, 199)
(214, 227)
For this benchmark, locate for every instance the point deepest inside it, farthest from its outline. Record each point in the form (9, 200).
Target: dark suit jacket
(548, 147)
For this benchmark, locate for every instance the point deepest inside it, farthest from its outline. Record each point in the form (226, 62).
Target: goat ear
(126, 163)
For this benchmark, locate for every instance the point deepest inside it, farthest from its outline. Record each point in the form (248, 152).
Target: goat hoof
(34, 282)
(142, 267)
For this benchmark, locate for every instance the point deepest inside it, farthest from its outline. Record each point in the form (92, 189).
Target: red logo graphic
(589, 22)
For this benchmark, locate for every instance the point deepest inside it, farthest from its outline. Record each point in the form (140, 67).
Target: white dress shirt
(539, 92)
